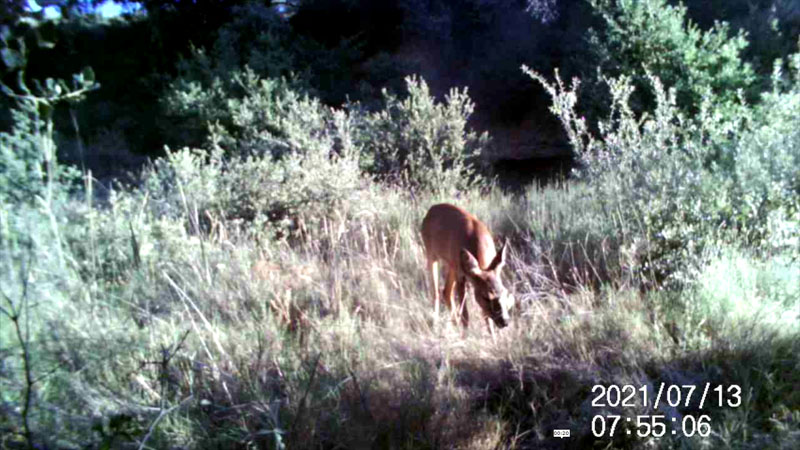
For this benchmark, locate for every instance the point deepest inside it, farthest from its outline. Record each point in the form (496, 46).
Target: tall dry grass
(329, 340)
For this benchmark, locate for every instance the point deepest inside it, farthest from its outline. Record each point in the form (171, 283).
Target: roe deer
(457, 238)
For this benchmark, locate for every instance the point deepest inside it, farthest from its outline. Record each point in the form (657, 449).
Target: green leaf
(88, 74)
(21, 47)
(21, 82)
(27, 23)
(5, 33)
(12, 59)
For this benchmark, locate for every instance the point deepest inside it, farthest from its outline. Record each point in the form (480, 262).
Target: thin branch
(361, 395)
(305, 395)
(71, 95)
(24, 340)
(161, 415)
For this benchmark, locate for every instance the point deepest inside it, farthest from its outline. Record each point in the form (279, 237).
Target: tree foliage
(655, 36)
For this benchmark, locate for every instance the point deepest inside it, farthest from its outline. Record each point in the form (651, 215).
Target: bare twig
(161, 415)
(137, 259)
(305, 394)
(14, 313)
(361, 395)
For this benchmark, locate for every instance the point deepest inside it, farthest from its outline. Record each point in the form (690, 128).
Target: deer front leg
(490, 326)
(461, 301)
(449, 286)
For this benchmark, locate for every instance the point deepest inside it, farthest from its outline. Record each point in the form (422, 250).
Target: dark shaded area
(378, 25)
(517, 173)
(130, 80)
(351, 49)
(134, 57)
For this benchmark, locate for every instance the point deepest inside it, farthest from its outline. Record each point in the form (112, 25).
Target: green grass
(329, 340)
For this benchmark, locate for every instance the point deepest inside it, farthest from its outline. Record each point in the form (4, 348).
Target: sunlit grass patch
(737, 289)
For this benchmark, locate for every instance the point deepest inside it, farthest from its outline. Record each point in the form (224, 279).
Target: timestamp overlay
(659, 425)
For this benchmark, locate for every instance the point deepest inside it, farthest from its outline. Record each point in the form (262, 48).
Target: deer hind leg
(433, 271)
(461, 301)
(449, 285)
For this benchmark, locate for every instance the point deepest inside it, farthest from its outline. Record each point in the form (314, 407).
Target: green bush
(296, 190)
(416, 141)
(23, 168)
(766, 184)
(287, 156)
(239, 87)
(272, 117)
(29, 169)
(654, 36)
(258, 39)
(230, 101)
(772, 26)
(422, 144)
(255, 38)
(252, 115)
(688, 184)
(182, 181)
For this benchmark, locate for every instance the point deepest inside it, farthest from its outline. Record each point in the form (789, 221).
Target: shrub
(23, 160)
(258, 39)
(29, 168)
(288, 156)
(687, 184)
(422, 144)
(765, 180)
(255, 38)
(253, 115)
(181, 181)
(772, 26)
(230, 100)
(297, 189)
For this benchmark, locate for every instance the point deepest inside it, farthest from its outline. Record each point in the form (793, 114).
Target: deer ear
(499, 259)
(469, 264)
